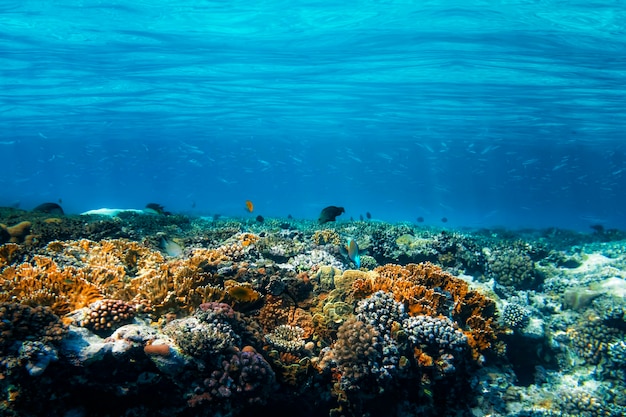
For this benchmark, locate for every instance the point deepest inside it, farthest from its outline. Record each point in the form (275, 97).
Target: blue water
(488, 113)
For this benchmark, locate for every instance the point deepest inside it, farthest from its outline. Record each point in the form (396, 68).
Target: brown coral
(20, 233)
(325, 237)
(108, 314)
(241, 293)
(8, 253)
(19, 322)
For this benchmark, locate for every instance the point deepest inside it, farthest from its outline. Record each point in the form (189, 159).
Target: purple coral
(243, 378)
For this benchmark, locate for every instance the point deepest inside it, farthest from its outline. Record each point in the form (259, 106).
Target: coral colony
(157, 314)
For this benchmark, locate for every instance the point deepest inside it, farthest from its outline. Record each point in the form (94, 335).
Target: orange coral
(8, 253)
(275, 311)
(248, 239)
(423, 359)
(241, 293)
(426, 289)
(43, 283)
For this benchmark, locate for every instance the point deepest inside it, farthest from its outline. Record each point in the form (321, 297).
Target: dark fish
(156, 209)
(289, 216)
(368, 215)
(330, 213)
(598, 228)
(260, 219)
(444, 219)
(361, 217)
(420, 219)
(49, 208)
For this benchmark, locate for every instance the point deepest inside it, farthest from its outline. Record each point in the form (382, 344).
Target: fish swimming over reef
(170, 247)
(249, 206)
(154, 208)
(49, 208)
(352, 251)
(329, 214)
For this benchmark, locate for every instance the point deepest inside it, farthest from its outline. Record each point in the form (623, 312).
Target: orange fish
(249, 206)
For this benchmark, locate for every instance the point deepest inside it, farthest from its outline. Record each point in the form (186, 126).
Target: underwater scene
(314, 208)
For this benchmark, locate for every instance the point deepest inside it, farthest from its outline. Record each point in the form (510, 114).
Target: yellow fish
(249, 206)
(172, 248)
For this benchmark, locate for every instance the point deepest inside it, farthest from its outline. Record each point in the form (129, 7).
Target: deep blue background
(489, 113)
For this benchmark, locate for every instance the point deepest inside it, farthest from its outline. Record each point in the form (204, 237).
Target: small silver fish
(172, 248)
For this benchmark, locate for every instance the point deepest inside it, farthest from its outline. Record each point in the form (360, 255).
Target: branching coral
(426, 289)
(8, 253)
(326, 237)
(42, 282)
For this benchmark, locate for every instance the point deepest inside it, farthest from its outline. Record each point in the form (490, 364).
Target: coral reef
(427, 289)
(514, 266)
(267, 318)
(107, 315)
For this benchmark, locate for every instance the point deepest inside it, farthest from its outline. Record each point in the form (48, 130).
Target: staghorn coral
(79, 273)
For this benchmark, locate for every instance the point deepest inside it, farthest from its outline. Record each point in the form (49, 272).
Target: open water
(487, 113)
